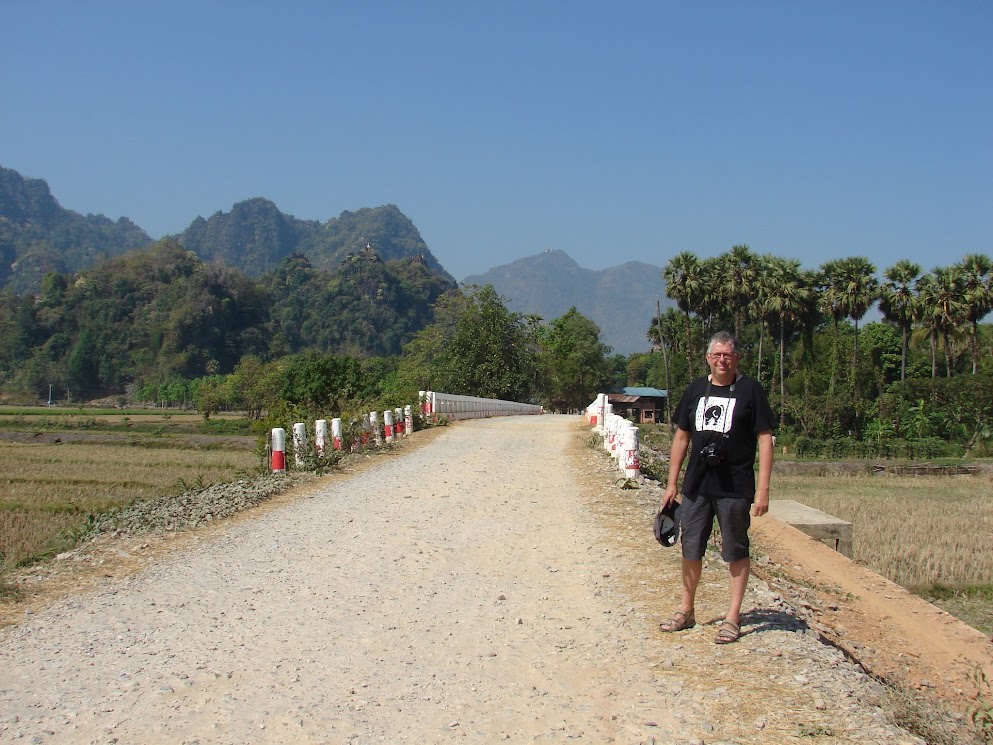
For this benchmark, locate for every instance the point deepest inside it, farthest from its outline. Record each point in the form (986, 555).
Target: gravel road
(492, 585)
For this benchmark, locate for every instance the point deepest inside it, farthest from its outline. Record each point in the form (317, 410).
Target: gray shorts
(696, 522)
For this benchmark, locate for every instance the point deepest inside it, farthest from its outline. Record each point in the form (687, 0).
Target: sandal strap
(680, 620)
(729, 631)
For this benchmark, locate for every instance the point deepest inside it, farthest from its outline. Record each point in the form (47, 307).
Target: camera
(712, 454)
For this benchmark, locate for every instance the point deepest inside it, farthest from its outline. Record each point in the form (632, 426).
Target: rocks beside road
(195, 507)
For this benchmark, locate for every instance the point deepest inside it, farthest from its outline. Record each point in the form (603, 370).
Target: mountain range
(38, 236)
(620, 300)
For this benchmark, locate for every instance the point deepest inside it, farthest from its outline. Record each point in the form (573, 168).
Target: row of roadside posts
(620, 436)
(396, 423)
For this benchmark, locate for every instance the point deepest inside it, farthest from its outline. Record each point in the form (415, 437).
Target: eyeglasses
(721, 355)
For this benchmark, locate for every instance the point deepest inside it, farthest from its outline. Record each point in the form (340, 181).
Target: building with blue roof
(640, 404)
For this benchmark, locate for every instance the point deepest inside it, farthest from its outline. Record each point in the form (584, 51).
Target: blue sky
(812, 130)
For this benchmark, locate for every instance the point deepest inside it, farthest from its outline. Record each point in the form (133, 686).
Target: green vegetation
(161, 319)
(917, 385)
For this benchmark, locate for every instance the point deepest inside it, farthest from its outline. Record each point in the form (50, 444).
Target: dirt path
(492, 586)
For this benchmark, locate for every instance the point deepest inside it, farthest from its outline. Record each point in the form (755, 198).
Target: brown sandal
(728, 632)
(679, 622)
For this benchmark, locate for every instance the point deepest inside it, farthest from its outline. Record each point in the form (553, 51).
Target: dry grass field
(931, 534)
(48, 489)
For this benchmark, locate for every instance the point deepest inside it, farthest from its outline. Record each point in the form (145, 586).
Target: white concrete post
(408, 420)
(599, 411)
(299, 442)
(388, 426)
(377, 436)
(399, 422)
(320, 435)
(631, 460)
(279, 450)
(366, 428)
(336, 433)
(614, 423)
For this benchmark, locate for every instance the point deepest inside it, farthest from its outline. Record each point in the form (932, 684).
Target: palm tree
(790, 297)
(977, 296)
(922, 315)
(765, 309)
(943, 310)
(662, 335)
(831, 301)
(684, 284)
(860, 290)
(897, 301)
(738, 289)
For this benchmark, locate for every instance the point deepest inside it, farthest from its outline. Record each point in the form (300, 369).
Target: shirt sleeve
(765, 419)
(682, 417)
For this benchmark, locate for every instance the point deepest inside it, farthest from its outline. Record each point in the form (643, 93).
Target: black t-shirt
(730, 417)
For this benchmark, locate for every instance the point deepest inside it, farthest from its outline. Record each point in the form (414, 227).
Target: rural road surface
(491, 585)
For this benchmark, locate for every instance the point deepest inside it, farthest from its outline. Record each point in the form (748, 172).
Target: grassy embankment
(930, 534)
(104, 459)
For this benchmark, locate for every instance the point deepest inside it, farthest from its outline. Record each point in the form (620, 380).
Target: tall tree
(860, 290)
(790, 296)
(924, 316)
(831, 299)
(977, 297)
(738, 287)
(897, 302)
(663, 334)
(942, 311)
(684, 283)
(574, 361)
(493, 352)
(765, 305)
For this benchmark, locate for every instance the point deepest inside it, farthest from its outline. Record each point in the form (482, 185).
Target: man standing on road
(720, 419)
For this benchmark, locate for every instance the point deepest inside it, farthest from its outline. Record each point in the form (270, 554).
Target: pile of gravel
(193, 508)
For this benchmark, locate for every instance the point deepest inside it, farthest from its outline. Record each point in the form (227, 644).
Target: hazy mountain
(255, 236)
(620, 300)
(38, 235)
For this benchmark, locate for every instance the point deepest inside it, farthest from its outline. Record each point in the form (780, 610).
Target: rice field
(47, 490)
(931, 534)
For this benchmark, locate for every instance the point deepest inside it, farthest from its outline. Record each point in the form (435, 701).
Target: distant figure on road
(720, 420)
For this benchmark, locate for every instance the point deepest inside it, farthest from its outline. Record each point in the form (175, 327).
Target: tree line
(831, 376)
(164, 327)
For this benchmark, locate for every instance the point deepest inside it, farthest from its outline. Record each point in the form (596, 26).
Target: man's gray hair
(722, 337)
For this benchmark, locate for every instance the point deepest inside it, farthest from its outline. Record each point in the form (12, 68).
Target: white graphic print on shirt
(713, 414)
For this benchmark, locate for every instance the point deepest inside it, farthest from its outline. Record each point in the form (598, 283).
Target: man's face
(723, 362)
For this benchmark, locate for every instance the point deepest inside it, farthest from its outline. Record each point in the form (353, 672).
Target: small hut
(639, 404)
